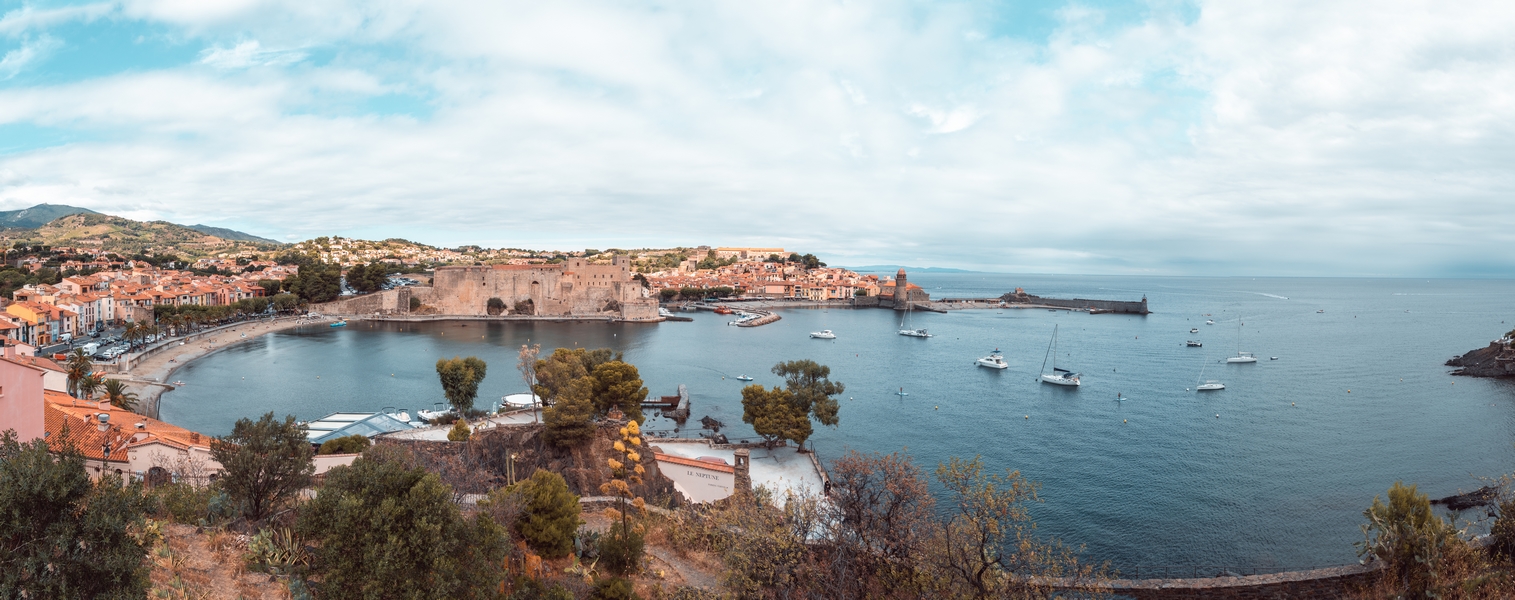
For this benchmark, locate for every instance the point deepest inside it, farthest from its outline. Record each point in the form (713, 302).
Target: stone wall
(1019, 296)
(388, 302)
(1334, 582)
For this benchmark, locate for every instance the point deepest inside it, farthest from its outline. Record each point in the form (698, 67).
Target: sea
(1134, 466)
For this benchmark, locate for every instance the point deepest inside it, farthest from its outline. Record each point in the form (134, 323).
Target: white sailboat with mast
(1207, 385)
(906, 329)
(1241, 357)
(1057, 376)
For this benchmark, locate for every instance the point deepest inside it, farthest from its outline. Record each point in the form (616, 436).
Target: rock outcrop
(1495, 360)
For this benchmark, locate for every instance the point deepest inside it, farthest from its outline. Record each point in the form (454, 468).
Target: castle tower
(901, 290)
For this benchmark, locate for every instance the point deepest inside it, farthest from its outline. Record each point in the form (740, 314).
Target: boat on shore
(824, 334)
(1058, 376)
(995, 360)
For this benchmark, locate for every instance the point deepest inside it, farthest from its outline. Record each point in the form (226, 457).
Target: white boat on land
(824, 334)
(994, 361)
(743, 378)
(1057, 376)
(1241, 357)
(906, 329)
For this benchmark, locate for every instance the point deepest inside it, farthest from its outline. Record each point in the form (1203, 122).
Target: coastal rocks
(1495, 360)
(1484, 496)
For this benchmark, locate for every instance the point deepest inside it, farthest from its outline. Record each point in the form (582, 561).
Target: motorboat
(1194, 344)
(437, 411)
(1273, 358)
(723, 310)
(824, 334)
(402, 416)
(1320, 311)
(1193, 330)
(1058, 376)
(743, 378)
(920, 333)
(342, 323)
(663, 312)
(1210, 322)
(1242, 357)
(994, 361)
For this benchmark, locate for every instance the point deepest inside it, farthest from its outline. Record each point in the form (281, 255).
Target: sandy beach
(150, 378)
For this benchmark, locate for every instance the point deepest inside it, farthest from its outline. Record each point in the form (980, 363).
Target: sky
(1281, 138)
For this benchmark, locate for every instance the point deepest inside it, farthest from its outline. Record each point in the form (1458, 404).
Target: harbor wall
(1019, 296)
(1334, 582)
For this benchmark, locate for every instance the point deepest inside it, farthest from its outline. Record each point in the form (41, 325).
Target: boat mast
(1049, 350)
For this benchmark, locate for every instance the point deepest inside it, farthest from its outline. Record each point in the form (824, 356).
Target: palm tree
(116, 394)
(78, 368)
(90, 385)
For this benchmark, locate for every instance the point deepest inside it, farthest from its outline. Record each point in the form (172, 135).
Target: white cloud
(30, 52)
(249, 54)
(1269, 138)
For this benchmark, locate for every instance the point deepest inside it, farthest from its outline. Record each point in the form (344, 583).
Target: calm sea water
(1357, 399)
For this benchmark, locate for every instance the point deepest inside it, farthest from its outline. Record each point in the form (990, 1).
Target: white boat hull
(992, 364)
(1060, 380)
(1242, 359)
(920, 333)
(1210, 387)
(823, 335)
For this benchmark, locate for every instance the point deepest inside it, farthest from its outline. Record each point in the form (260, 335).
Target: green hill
(125, 236)
(39, 215)
(230, 234)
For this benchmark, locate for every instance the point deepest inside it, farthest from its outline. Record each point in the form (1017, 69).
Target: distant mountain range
(40, 215)
(230, 234)
(892, 268)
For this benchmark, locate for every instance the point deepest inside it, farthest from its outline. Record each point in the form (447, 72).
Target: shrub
(185, 503)
(276, 551)
(613, 588)
(352, 444)
(266, 463)
(621, 554)
(415, 303)
(386, 529)
(1407, 537)
(459, 431)
(531, 589)
(551, 515)
(1503, 531)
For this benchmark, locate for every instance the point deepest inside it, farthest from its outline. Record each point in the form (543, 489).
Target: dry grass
(191, 565)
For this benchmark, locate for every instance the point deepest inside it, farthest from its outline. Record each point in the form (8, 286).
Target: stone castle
(574, 288)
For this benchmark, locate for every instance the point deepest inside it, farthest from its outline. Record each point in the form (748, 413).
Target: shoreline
(149, 378)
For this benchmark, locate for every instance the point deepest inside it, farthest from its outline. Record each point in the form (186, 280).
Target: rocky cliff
(1495, 360)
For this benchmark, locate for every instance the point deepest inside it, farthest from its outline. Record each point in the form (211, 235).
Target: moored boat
(1058, 376)
(994, 361)
(824, 334)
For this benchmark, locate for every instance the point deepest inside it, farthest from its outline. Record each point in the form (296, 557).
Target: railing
(1199, 571)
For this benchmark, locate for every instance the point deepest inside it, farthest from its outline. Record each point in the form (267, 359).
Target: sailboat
(905, 328)
(1057, 376)
(1207, 385)
(1241, 357)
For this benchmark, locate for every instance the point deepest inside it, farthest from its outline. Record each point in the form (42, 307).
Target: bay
(1357, 399)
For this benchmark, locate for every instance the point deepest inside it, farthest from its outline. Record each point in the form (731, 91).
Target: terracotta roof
(79, 414)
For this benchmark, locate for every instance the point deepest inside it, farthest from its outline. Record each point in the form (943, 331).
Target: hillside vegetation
(125, 236)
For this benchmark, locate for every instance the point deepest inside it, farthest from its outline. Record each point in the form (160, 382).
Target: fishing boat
(342, 323)
(824, 334)
(743, 378)
(1058, 376)
(906, 329)
(723, 310)
(994, 361)
(1241, 357)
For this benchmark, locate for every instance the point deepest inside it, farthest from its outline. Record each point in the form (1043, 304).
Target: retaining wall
(1329, 583)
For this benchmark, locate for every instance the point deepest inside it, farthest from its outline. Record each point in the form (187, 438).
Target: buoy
(1123, 420)
(1217, 415)
(938, 407)
(1028, 417)
(1291, 404)
(1349, 391)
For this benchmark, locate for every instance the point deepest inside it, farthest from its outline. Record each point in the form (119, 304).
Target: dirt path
(693, 575)
(191, 564)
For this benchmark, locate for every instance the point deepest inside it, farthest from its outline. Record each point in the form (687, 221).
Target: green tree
(264, 462)
(618, 384)
(774, 415)
(60, 535)
(460, 431)
(78, 367)
(389, 529)
(1409, 538)
(460, 380)
(812, 387)
(116, 394)
(550, 519)
(570, 420)
(613, 588)
(555, 372)
(495, 306)
(316, 282)
(285, 302)
(347, 444)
